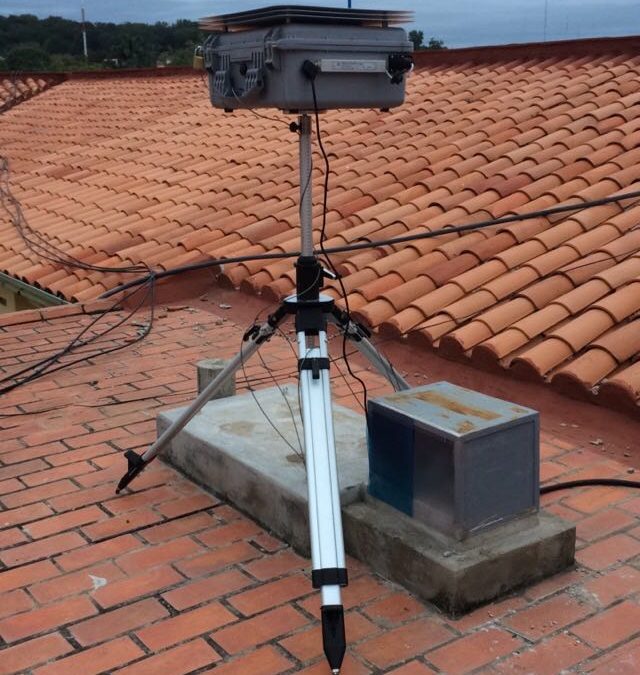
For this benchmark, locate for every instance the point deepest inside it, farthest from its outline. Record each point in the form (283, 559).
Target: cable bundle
(45, 250)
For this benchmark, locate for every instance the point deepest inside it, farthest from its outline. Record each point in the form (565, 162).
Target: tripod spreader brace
(258, 334)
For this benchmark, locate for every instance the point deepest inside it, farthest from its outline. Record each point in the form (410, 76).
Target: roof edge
(529, 50)
(61, 76)
(49, 80)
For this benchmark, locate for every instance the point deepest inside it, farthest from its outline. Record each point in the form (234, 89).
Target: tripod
(311, 311)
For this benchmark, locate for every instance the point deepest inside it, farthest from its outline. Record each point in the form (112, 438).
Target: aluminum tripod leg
(136, 463)
(325, 518)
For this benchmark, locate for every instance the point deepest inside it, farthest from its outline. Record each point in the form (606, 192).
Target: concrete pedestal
(233, 450)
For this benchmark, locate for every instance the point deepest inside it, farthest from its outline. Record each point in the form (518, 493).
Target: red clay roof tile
(623, 389)
(541, 321)
(580, 331)
(534, 363)
(490, 352)
(144, 169)
(623, 342)
(578, 378)
(512, 281)
(456, 343)
(622, 303)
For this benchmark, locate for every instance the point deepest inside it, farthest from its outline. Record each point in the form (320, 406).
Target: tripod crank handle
(135, 465)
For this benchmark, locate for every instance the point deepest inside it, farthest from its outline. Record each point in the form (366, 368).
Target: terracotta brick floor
(168, 579)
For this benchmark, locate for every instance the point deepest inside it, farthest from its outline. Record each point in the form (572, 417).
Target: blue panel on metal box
(391, 472)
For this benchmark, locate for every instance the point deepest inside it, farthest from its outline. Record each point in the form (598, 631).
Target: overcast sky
(458, 22)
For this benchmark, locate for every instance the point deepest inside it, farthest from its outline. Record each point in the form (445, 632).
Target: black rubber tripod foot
(135, 466)
(333, 637)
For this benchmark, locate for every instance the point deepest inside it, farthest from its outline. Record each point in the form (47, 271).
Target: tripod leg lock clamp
(314, 364)
(354, 330)
(357, 332)
(251, 333)
(259, 334)
(329, 576)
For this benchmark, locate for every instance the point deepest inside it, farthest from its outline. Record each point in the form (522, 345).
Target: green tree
(133, 49)
(417, 37)
(67, 62)
(28, 56)
(129, 45)
(435, 44)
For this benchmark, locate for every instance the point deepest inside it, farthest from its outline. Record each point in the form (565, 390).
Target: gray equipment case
(358, 67)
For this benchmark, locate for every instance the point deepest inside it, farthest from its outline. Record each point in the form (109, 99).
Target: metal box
(454, 459)
(261, 66)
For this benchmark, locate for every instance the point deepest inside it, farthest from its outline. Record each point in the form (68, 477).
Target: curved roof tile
(142, 169)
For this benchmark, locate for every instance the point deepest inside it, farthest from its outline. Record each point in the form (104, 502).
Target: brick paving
(169, 579)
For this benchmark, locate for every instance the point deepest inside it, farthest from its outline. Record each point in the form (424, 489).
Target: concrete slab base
(457, 576)
(232, 449)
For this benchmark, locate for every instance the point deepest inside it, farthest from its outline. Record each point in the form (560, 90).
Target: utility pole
(84, 37)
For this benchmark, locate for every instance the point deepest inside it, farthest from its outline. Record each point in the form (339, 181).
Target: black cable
(605, 257)
(297, 376)
(613, 482)
(325, 195)
(273, 378)
(346, 381)
(325, 199)
(348, 248)
(617, 258)
(43, 367)
(265, 414)
(43, 249)
(38, 244)
(76, 340)
(253, 112)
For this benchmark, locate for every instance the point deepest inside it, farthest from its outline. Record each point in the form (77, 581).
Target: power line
(45, 250)
(358, 246)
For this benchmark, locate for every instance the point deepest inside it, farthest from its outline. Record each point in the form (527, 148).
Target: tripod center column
(306, 186)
